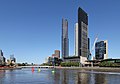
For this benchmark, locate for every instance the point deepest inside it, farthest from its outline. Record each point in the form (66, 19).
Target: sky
(31, 29)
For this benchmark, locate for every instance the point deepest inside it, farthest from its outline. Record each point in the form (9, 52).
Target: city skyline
(31, 30)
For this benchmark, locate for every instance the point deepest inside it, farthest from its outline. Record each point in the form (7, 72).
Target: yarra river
(58, 76)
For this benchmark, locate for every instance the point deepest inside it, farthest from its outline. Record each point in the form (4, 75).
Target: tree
(69, 64)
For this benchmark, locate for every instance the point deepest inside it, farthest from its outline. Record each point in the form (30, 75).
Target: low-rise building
(80, 59)
(11, 61)
(57, 53)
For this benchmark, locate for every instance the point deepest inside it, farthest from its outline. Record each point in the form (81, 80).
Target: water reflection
(60, 76)
(2, 75)
(65, 77)
(77, 77)
(11, 75)
(56, 77)
(91, 78)
(100, 78)
(83, 78)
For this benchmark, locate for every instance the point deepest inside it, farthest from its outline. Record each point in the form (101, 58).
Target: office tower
(65, 40)
(57, 53)
(89, 53)
(76, 39)
(101, 50)
(1, 53)
(82, 33)
(2, 58)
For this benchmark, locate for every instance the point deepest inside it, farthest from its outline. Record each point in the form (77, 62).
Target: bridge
(37, 66)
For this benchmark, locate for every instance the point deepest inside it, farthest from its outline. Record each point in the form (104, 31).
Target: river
(58, 76)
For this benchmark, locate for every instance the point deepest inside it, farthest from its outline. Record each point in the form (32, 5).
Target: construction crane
(93, 47)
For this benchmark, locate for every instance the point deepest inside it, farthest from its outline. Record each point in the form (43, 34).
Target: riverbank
(9, 68)
(102, 69)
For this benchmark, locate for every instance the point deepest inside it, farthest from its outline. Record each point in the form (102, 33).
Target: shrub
(108, 64)
(69, 64)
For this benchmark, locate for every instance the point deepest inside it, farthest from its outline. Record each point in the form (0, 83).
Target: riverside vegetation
(76, 64)
(108, 64)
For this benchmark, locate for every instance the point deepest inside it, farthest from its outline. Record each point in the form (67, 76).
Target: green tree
(69, 64)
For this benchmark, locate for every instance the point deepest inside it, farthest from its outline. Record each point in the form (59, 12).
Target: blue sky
(31, 29)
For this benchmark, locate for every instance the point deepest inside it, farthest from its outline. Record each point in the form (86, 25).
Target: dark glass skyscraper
(65, 40)
(82, 33)
(101, 50)
(2, 58)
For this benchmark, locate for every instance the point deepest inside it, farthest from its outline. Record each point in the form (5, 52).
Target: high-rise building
(57, 53)
(1, 53)
(76, 39)
(65, 40)
(82, 39)
(2, 58)
(89, 53)
(101, 50)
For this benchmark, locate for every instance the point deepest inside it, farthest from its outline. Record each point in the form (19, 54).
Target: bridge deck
(37, 66)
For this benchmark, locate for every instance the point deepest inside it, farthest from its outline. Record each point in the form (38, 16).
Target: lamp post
(80, 63)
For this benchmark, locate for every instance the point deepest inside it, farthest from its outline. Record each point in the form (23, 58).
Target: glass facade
(100, 50)
(65, 40)
(76, 39)
(2, 58)
(82, 33)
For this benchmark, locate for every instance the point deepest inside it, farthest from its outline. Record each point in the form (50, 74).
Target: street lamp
(80, 63)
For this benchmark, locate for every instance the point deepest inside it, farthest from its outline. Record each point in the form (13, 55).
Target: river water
(58, 76)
